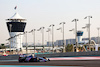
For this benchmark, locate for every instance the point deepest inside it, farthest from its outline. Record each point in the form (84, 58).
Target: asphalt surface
(83, 63)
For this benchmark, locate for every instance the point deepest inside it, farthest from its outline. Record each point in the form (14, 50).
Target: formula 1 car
(30, 58)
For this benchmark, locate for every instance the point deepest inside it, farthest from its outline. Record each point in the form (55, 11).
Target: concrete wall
(11, 57)
(67, 54)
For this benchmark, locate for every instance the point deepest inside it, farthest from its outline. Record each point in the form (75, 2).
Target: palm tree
(2, 46)
(69, 48)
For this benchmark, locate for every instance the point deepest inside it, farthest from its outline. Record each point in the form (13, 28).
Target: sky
(42, 13)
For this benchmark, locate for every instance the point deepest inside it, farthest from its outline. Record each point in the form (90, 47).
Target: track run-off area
(93, 61)
(76, 58)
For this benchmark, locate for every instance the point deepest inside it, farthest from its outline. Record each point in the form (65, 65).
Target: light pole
(98, 34)
(89, 29)
(26, 41)
(19, 35)
(10, 33)
(33, 32)
(52, 37)
(87, 26)
(10, 39)
(75, 20)
(42, 30)
(15, 43)
(48, 36)
(20, 40)
(46, 42)
(64, 45)
(73, 44)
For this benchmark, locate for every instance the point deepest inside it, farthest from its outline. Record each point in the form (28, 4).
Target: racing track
(85, 63)
(77, 61)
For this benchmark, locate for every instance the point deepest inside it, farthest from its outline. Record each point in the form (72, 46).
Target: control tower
(79, 35)
(16, 25)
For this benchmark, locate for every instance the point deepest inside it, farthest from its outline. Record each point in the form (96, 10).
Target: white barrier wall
(96, 47)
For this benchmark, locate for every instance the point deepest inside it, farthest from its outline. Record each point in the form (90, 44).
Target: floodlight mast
(64, 45)
(48, 36)
(98, 34)
(89, 30)
(75, 20)
(73, 45)
(52, 25)
(10, 39)
(26, 42)
(33, 33)
(42, 30)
